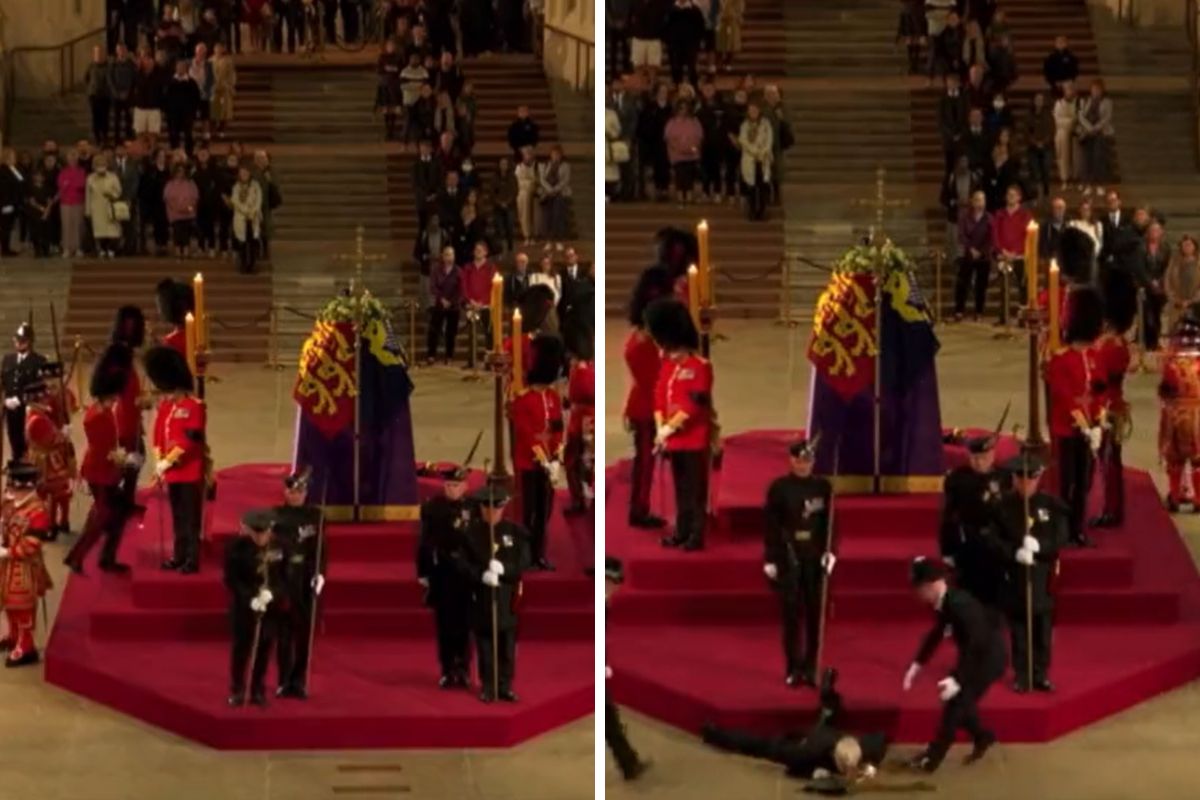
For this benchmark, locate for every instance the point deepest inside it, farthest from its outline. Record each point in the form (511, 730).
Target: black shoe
(115, 567)
(575, 510)
(171, 565)
(649, 521)
(1103, 521)
(794, 679)
(982, 745)
(1082, 541)
(671, 541)
(74, 566)
(692, 545)
(189, 568)
(1020, 687)
(829, 678)
(544, 565)
(447, 682)
(486, 696)
(923, 763)
(635, 770)
(508, 696)
(236, 700)
(258, 698)
(1043, 685)
(28, 657)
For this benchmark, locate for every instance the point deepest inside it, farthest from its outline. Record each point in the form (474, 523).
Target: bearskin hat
(130, 327)
(111, 373)
(1085, 318)
(175, 300)
(546, 365)
(653, 283)
(168, 370)
(536, 304)
(1076, 255)
(676, 249)
(670, 325)
(1120, 300)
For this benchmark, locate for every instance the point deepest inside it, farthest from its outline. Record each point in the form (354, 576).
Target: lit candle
(1031, 264)
(189, 338)
(497, 312)
(693, 278)
(705, 266)
(201, 331)
(518, 344)
(1053, 301)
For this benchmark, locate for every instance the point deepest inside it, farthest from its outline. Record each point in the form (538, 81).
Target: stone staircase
(28, 292)
(854, 38)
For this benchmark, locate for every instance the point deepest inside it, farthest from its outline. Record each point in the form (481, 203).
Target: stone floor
(762, 381)
(67, 748)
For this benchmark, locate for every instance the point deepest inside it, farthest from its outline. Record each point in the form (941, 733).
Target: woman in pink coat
(72, 189)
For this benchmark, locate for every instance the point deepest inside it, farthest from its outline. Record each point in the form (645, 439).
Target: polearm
(62, 381)
(495, 591)
(877, 474)
(247, 676)
(312, 620)
(1028, 598)
(837, 457)
(357, 475)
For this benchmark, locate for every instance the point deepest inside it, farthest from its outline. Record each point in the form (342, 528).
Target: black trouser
(224, 228)
(247, 252)
(506, 648)
(243, 622)
(1113, 469)
(1043, 621)
(577, 470)
(799, 590)
(689, 470)
(129, 476)
(295, 636)
(105, 518)
(452, 618)
(756, 195)
(14, 421)
(350, 20)
(1152, 312)
(122, 119)
(330, 19)
(1075, 479)
(441, 318)
(537, 501)
(961, 713)
(186, 508)
(293, 17)
(206, 226)
(614, 734)
(101, 106)
(1040, 168)
(710, 169)
(179, 130)
(683, 59)
(7, 223)
(968, 269)
(644, 460)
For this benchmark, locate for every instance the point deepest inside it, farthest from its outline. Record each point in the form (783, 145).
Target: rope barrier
(297, 312)
(229, 326)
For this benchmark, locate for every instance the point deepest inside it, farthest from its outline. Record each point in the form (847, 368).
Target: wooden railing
(582, 74)
(73, 57)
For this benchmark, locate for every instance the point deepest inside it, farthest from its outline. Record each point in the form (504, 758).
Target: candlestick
(497, 312)
(1031, 264)
(693, 278)
(189, 338)
(1053, 301)
(705, 293)
(518, 345)
(201, 317)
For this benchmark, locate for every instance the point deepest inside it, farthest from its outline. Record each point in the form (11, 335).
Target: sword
(247, 677)
(312, 622)
(1028, 603)
(495, 599)
(837, 456)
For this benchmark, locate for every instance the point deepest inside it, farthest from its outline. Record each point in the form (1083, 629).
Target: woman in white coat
(755, 141)
(246, 200)
(103, 190)
(527, 183)
(1066, 110)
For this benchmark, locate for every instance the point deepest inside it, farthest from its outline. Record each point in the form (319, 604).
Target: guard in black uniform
(496, 572)
(796, 558)
(628, 761)
(969, 495)
(442, 554)
(823, 751)
(1030, 537)
(256, 576)
(299, 528)
(981, 662)
(19, 369)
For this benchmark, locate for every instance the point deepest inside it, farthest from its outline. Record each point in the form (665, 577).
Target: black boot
(982, 745)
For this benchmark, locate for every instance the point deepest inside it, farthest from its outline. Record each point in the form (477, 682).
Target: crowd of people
(639, 32)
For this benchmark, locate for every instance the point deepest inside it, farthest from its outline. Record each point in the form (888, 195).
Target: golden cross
(359, 256)
(880, 203)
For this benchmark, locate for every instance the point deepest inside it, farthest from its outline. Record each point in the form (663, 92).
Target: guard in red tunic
(23, 576)
(104, 463)
(128, 336)
(175, 301)
(1112, 358)
(537, 422)
(1179, 421)
(48, 432)
(643, 359)
(1074, 379)
(179, 452)
(683, 416)
(578, 454)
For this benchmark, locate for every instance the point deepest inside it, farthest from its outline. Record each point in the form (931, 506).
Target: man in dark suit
(19, 369)
(952, 118)
(517, 281)
(426, 181)
(574, 276)
(627, 108)
(1051, 230)
(523, 132)
(976, 141)
(982, 661)
(129, 173)
(449, 203)
(1114, 225)
(1061, 66)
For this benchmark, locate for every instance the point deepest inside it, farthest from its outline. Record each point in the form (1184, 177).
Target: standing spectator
(546, 274)
(448, 77)
(148, 89)
(729, 32)
(419, 114)
(1003, 64)
(1066, 110)
(72, 187)
(208, 204)
(122, 76)
(781, 137)
(957, 189)
(684, 136)
(445, 298)
(427, 252)
(612, 145)
(616, 31)
(683, 35)
(12, 199)
(389, 96)
(224, 87)
(448, 154)
(426, 180)
(648, 24)
(975, 48)
(154, 208)
(99, 97)
(1094, 129)
(1182, 281)
(504, 203)
(625, 105)
(450, 202)
(472, 227)
(554, 187)
(952, 119)
(1060, 67)
(979, 89)
(513, 24)
(122, 18)
(168, 35)
(754, 142)
(517, 281)
(975, 245)
(39, 208)
(1051, 230)
(999, 173)
(913, 32)
(573, 284)
(291, 14)
(710, 114)
(527, 186)
(208, 31)
(227, 176)
(652, 146)
(181, 198)
(1158, 259)
(976, 141)
(1009, 226)
(477, 276)
(25, 166)
(523, 132)
(477, 20)
(731, 129)
(247, 204)
(182, 103)
(464, 124)
(946, 53)
(200, 70)
(272, 199)
(103, 191)
(443, 115)
(1039, 136)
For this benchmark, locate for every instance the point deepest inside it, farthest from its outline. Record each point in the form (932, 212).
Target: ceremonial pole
(498, 475)
(495, 600)
(312, 621)
(837, 458)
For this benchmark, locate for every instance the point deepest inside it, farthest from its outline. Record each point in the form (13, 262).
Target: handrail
(46, 48)
(584, 72)
(564, 32)
(66, 71)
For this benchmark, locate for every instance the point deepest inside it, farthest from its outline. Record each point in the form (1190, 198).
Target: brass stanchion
(412, 332)
(273, 338)
(473, 326)
(1005, 331)
(785, 294)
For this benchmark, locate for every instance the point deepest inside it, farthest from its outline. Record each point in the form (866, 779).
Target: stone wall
(48, 23)
(1150, 13)
(566, 58)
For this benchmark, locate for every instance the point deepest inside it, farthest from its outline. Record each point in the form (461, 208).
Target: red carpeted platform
(695, 636)
(154, 645)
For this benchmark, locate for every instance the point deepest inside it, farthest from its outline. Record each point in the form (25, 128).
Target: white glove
(607, 673)
(261, 600)
(318, 583)
(496, 567)
(820, 774)
(949, 560)
(664, 433)
(911, 675)
(66, 431)
(554, 469)
(491, 579)
(827, 562)
(1094, 436)
(771, 571)
(868, 772)
(12, 403)
(1025, 557)
(161, 467)
(3, 552)
(424, 582)
(947, 689)
(135, 460)
(1031, 544)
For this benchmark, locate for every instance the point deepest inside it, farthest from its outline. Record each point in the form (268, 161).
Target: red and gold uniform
(644, 360)
(1179, 420)
(103, 469)
(1072, 375)
(537, 423)
(1112, 357)
(23, 570)
(179, 449)
(581, 393)
(53, 453)
(176, 340)
(683, 413)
